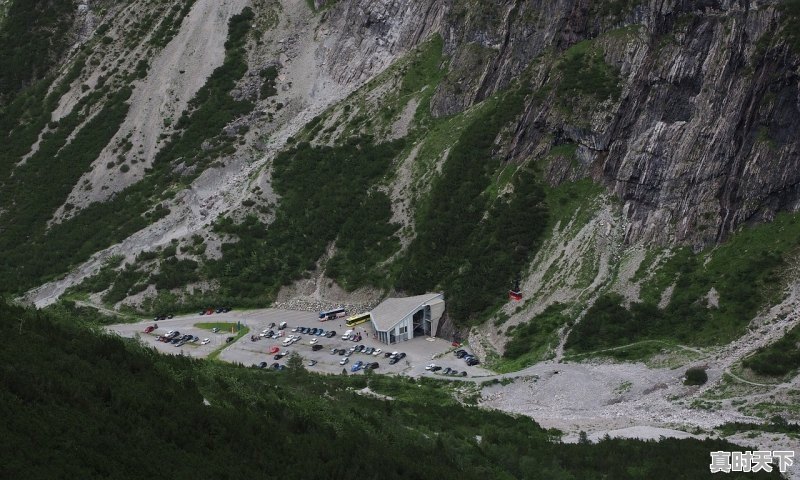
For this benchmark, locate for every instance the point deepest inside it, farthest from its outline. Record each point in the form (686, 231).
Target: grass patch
(585, 73)
(221, 326)
(215, 354)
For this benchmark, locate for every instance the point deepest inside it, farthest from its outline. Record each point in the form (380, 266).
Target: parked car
(463, 374)
(279, 355)
(473, 361)
(330, 334)
(313, 341)
(149, 329)
(436, 368)
(348, 353)
(229, 339)
(334, 351)
(342, 351)
(373, 365)
(387, 355)
(393, 361)
(377, 352)
(274, 350)
(356, 366)
(311, 363)
(402, 355)
(347, 334)
(282, 326)
(170, 316)
(262, 365)
(316, 347)
(195, 339)
(430, 366)
(447, 371)
(205, 341)
(344, 361)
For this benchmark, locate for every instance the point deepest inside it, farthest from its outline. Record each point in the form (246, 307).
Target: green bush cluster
(68, 385)
(324, 198)
(33, 36)
(475, 259)
(536, 335)
(791, 23)
(585, 72)
(779, 358)
(171, 24)
(696, 376)
(269, 77)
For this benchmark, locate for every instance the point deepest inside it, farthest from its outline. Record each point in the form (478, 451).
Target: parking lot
(419, 351)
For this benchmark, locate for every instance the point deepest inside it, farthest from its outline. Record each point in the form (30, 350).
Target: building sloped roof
(392, 310)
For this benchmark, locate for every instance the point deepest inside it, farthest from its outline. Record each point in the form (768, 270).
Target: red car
(149, 329)
(273, 350)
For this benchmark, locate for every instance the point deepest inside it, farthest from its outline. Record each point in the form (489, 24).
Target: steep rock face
(698, 142)
(367, 35)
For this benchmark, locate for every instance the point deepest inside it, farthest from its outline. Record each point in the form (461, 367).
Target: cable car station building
(401, 319)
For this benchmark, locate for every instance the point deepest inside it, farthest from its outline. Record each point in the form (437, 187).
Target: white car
(295, 329)
(205, 341)
(344, 361)
(428, 367)
(170, 333)
(287, 342)
(313, 341)
(377, 352)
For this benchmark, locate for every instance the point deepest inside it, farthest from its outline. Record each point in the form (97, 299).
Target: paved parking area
(419, 351)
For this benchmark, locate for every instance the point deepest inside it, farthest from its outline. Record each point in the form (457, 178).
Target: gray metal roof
(392, 310)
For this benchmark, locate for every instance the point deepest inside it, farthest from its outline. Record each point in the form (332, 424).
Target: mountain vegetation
(69, 388)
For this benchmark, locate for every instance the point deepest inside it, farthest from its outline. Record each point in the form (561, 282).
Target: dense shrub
(696, 376)
(779, 358)
(323, 199)
(474, 259)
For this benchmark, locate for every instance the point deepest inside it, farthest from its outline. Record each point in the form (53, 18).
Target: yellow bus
(358, 319)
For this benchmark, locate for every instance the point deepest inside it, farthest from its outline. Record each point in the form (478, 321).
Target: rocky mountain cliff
(173, 134)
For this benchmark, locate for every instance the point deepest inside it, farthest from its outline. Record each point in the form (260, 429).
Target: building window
(403, 330)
